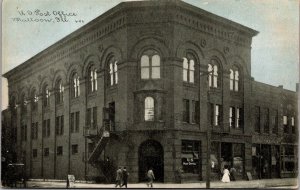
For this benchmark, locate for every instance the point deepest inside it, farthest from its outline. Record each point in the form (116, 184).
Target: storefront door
(151, 155)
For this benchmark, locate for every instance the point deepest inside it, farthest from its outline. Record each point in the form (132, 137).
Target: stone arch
(240, 63)
(146, 43)
(189, 47)
(75, 67)
(218, 55)
(44, 81)
(110, 52)
(91, 59)
(151, 155)
(59, 75)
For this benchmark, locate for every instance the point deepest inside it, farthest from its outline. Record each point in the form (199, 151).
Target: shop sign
(189, 164)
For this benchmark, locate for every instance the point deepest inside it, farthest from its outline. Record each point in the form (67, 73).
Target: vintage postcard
(150, 93)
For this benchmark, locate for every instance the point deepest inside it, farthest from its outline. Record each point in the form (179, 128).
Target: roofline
(117, 8)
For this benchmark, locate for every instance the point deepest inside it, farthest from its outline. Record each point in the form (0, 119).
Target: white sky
(275, 49)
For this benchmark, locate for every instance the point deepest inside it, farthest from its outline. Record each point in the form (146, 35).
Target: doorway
(151, 155)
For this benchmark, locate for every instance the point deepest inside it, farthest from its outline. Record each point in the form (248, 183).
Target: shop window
(59, 150)
(46, 152)
(188, 70)
(238, 159)
(186, 111)
(59, 92)
(59, 125)
(190, 156)
(289, 160)
(150, 65)
(149, 109)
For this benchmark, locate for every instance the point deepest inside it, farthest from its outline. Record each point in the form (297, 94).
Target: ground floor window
(190, 151)
(288, 158)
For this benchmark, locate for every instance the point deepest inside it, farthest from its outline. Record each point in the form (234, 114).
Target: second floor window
(59, 125)
(234, 80)
(92, 81)
(24, 132)
(74, 122)
(186, 111)
(75, 86)
(188, 70)
(232, 117)
(150, 65)
(113, 72)
(46, 128)
(195, 112)
(266, 123)
(59, 92)
(216, 111)
(46, 96)
(149, 109)
(213, 74)
(257, 119)
(275, 122)
(285, 124)
(92, 117)
(34, 101)
(34, 130)
(293, 124)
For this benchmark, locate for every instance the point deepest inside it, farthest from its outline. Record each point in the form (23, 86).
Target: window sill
(75, 100)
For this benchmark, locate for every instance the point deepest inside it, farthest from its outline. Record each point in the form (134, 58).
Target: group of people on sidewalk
(122, 177)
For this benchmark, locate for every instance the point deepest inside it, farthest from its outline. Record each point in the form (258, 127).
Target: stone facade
(172, 30)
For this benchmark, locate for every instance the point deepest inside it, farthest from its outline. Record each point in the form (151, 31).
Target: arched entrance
(151, 154)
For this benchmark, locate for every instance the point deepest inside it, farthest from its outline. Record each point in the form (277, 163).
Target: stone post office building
(148, 84)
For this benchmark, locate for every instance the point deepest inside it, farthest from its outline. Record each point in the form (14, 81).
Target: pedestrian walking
(119, 177)
(226, 175)
(232, 174)
(151, 177)
(125, 175)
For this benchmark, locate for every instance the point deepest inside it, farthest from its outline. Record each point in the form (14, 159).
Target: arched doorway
(151, 155)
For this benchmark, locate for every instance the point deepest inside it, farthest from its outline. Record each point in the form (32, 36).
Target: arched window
(59, 92)
(75, 87)
(149, 109)
(92, 80)
(234, 80)
(46, 96)
(150, 65)
(34, 100)
(23, 103)
(188, 70)
(113, 71)
(213, 74)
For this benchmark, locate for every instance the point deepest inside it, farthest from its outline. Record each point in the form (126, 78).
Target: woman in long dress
(226, 175)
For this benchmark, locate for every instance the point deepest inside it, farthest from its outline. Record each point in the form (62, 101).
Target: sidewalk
(216, 184)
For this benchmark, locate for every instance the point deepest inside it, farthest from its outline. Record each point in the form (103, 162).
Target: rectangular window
(293, 124)
(34, 153)
(285, 124)
(185, 112)
(257, 119)
(232, 117)
(72, 121)
(34, 130)
(94, 123)
(74, 149)
(266, 124)
(239, 118)
(46, 152)
(59, 125)
(59, 150)
(195, 112)
(190, 156)
(217, 115)
(46, 128)
(91, 147)
(24, 132)
(88, 117)
(275, 122)
(77, 121)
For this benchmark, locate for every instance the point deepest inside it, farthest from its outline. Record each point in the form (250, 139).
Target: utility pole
(208, 133)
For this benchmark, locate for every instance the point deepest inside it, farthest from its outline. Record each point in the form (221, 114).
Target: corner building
(159, 84)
